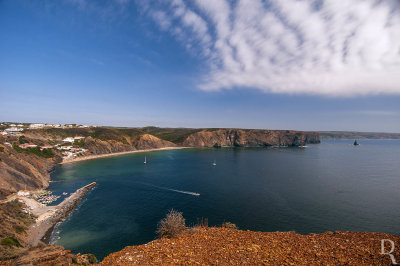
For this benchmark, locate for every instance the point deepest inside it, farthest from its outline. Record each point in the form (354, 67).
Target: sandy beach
(91, 157)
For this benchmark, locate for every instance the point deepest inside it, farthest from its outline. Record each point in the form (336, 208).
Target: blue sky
(202, 64)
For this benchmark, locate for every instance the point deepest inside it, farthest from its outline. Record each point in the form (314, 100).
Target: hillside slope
(19, 171)
(209, 246)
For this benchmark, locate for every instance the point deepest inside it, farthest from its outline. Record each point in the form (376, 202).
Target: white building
(23, 193)
(32, 126)
(14, 129)
(45, 147)
(27, 145)
(69, 139)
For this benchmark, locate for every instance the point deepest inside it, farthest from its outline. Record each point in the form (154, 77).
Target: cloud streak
(330, 47)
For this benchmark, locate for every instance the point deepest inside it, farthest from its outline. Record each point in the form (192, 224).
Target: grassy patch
(19, 229)
(10, 242)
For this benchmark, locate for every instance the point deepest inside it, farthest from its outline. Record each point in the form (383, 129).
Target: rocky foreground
(230, 246)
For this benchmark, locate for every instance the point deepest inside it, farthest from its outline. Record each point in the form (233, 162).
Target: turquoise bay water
(327, 186)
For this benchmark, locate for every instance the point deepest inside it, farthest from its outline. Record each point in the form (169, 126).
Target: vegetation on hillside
(175, 135)
(13, 223)
(46, 153)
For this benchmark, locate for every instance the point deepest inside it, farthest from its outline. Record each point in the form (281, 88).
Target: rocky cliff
(98, 146)
(148, 141)
(19, 171)
(250, 138)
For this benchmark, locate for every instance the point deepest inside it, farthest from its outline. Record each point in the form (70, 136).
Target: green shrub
(1, 149)
(79, 143)
(229, 225)
(22, 140)
(10, 241)
(172, 225)
(19, 229)
(74, 261)
(124, 141)
(92, 258)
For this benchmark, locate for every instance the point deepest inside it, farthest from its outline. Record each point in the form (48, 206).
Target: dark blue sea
(323, 187)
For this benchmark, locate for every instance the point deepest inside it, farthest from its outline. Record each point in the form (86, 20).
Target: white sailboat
(214, 163)
(145, 160)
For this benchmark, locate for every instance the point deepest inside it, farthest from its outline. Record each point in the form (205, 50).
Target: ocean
(322, 187)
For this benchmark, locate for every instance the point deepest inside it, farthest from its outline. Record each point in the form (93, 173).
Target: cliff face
(97, 146)
(250, 138)
(19, 171)
(148, 141)
(145, 141)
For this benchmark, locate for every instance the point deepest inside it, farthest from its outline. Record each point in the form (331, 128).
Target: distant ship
(145, 160)
(355, 143)
(214, 163)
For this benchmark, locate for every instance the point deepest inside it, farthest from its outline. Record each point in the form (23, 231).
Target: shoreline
(92, 157)
(49, 216)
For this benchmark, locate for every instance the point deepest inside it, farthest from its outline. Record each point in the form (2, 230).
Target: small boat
(145, 162)
(196, 194)
(65, 193)
(214, 163)
(355, 143)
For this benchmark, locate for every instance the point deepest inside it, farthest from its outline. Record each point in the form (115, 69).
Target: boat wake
(170, 189)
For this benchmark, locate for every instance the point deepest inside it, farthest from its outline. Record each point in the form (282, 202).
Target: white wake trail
(173, 190)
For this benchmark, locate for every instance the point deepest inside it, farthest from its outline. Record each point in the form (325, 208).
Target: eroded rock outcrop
(98, 146)
(250, 138)
(20, 171)
(148, 141)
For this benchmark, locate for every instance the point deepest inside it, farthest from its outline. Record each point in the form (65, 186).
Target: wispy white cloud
(378, 112)
(327, 47)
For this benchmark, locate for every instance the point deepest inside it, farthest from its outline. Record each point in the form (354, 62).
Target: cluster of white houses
(14, 130)
(68, 151)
